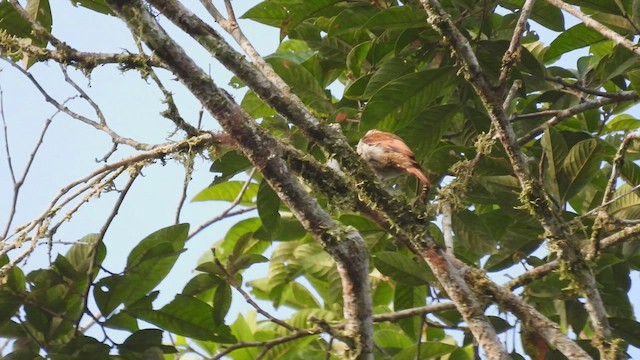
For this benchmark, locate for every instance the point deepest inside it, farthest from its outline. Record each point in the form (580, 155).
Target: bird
(388, 156)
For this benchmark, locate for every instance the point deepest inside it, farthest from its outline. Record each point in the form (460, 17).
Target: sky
(132, 109)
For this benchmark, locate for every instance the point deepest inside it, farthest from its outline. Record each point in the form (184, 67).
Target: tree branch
(512, 56)
(561, 115)
(345, 245)
(595, 25)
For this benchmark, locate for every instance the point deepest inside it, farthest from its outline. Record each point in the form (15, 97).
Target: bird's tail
(426, 184)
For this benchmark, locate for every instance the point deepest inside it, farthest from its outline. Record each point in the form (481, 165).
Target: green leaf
(246, 260)
(95, 5)
(398, 17)
(403, 268)
(12, 21)
(41, 11)
(627, 205)
(22, 354)
(357, 57)
(287, 16)
(147, 265)
(576, 37)
(423, 134)
(501, 325)
(296, 296)
(302, 82)
(622, 122)
(267, 12)
(390, 70)
(229, 191)
(9, 305)
(15, 279)
(174, 236)
(543, 13)
(122, 321)
(143, 340)
(475, 234)
(187, 316)
(356, 89)
(11, 330)
(244, 330)
(201, 283)
(407, 297)
(580, 166)
(400, 101)
(555, 151)
(598, 5)
(82, 254)
(221, 303)
(392, 338)
(627, 329)
(241, 240)
(229, 164)
(268, 204)
(255, 107)
(618, 62)
(351, 18)
(428, 350)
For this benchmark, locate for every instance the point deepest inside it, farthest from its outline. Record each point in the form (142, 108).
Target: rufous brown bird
(388, 156)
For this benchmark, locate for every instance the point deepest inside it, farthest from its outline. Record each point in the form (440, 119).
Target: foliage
(395, 74)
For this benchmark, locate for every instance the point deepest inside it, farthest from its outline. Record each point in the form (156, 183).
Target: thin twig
(97, 125)
(188, 173)
(268, 343)
(227, 212)
(94, 253)
(223, 215)
(17, 183)
(83, 95)
(580, 88)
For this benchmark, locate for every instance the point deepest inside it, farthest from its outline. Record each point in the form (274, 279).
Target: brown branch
(263, 150)
(595, 25)
(448, 275)
(417, 311)
(65, 54)
(512, 56)
(561, 115)
(578, 87)
(549, 330)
